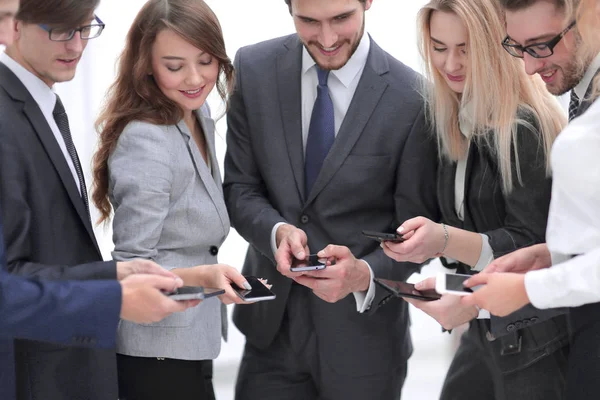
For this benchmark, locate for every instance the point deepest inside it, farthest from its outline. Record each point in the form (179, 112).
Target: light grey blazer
(169, 208)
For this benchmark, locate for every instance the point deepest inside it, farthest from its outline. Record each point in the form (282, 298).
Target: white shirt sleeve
(364, 299)
(486, 256)
(274, 237)
(570, 284)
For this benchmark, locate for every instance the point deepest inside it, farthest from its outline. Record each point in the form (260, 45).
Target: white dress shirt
(342, 84)
(45, 97)
(584, 84)
(573, 233)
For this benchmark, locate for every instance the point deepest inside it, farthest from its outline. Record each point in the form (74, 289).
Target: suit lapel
(368, 93)
(44, 133)
(289, 70)
(212, 183)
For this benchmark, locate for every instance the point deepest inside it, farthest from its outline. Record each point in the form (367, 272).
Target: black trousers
(479, 371)
(145, 378)
(584, 361)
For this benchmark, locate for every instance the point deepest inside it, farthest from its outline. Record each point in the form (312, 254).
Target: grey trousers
(479, 371)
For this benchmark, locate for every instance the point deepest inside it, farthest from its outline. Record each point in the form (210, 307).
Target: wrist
(282, 232)
(122, 273)
(365, 271)
(446, 237)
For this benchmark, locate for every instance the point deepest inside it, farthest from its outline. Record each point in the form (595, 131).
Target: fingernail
(179, 281)
(247, 286)
(418, 285)
(321, 254)
(400, 229)
(382, 245)
(301, 255)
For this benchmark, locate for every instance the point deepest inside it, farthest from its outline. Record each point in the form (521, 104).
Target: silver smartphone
(194, 293)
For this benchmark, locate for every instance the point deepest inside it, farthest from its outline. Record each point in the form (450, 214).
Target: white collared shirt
(45, 98)
(342, 84)
(584, 84)
(573, 233)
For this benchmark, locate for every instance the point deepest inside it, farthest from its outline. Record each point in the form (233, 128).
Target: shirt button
(304, 219)
(214, 250)
(510, 327)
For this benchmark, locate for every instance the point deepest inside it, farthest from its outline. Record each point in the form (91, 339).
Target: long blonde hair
(496, 88)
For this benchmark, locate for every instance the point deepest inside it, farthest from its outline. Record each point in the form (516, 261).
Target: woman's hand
(501, 293)
(523, 260)
(221, 276)
(425, 239)
(448, 310)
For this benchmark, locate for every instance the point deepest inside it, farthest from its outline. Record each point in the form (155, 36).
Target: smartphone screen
(404, 289)
(455, 283)
(259, 291)
(194, 293)
(311, 263)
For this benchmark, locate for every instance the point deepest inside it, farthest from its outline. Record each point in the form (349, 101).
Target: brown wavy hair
(135, 96)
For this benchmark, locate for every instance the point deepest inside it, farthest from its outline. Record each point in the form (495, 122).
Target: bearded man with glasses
(545, 36)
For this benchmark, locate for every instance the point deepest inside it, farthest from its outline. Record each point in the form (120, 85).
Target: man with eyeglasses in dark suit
(45, 210)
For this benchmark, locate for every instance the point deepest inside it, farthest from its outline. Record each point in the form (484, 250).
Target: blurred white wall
(390, 22)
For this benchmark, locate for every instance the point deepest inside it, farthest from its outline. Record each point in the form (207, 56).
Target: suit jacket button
(519, 324)
(304, 219)
(214, 250)
(534, 320)
(510, 327)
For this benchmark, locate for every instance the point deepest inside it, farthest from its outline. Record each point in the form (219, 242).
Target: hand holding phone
(259, 291)
(393, 237)
(194, 293)
(404, 289)
(311, 263)
(452, 284)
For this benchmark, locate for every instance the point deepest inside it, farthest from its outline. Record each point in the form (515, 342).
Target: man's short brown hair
(516, 5)
(289, 3)
(62, 13)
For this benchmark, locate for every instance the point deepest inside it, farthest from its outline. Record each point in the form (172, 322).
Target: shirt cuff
(274, 237)
(364, 299)
(486, 256)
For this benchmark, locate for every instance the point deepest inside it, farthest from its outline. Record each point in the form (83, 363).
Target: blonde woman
(573, 233)
(495, 126)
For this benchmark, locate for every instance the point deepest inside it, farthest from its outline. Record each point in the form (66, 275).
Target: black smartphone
(259, 291)
(194, 293)
(403, 289)
(311, 263)
(384, 236)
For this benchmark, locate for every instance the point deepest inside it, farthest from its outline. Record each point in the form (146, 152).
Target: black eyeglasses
(536, 50)
(87, 32)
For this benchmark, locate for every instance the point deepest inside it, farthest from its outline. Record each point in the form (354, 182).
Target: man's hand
(141, 266)
(522, 260)
(143, 300)
(337, 281)
(501, 293)
(448, 310)
(291, 243)
(424, 239)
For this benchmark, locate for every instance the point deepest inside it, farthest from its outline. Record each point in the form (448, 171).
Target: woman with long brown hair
(156, 168)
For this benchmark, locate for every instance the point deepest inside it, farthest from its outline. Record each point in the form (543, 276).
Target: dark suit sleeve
(19, 222)
(76, 313)
(415, 195)
(250, 210)
(527, 205)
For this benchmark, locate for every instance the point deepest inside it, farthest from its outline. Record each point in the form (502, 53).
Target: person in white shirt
(573, 234)
(494, 127)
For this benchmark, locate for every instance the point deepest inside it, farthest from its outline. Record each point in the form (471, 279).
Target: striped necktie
(62, 121)
(573, 105)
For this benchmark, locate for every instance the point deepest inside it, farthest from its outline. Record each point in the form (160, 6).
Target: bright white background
(390, 22)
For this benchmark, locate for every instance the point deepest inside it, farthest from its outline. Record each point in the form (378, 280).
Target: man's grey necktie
(573, 105)
(321, 132)
(62, 121)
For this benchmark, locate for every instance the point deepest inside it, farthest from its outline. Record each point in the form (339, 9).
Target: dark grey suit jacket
(47, 235)
(380, 171)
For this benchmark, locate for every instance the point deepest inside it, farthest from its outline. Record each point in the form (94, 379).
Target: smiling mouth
(191, 91)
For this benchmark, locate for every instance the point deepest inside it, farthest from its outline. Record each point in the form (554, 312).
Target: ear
(368, 4)
(17, 29)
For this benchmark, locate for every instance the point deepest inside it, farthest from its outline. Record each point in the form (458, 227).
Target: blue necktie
(321, 132)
